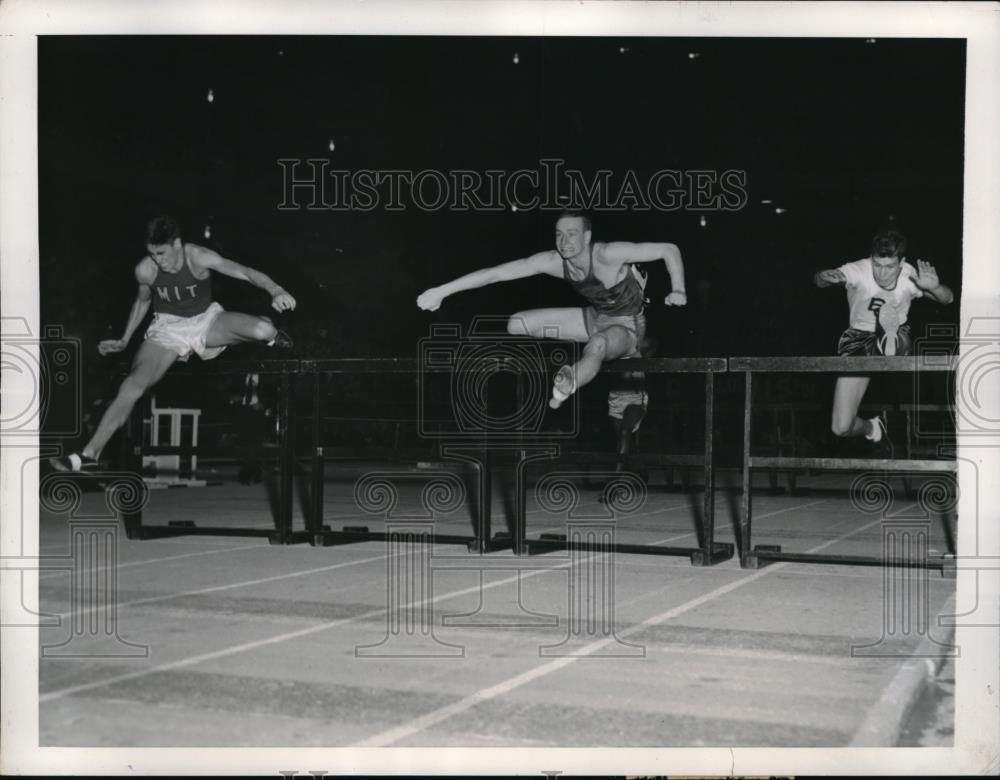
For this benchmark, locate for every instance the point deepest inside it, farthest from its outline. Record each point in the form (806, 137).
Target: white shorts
(185, 335)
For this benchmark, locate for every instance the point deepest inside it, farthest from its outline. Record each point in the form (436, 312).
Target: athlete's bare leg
(555, 323)
(847, 396)
(150, 364)
(232, 327)
(608, 344)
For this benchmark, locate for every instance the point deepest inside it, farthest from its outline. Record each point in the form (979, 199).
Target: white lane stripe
(247, 646)
(189, 541)
(130, 564)
(670, 538)
(788, 509)
(434, 717)
(755, 517)
(228, 586)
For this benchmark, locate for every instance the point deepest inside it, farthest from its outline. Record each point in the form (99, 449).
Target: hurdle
(133, 451)
(476, 455)
(754, 557)
(171, 464)
(708, 552)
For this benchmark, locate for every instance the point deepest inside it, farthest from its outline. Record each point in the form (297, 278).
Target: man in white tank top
(880, 289)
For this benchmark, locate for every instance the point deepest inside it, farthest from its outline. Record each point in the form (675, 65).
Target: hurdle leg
(772, 474)
(283, 532)
(485, 532)
(131, 456)
(318, 465)
(795, 452)
(526, 456)
(710, 552)
(748, 560)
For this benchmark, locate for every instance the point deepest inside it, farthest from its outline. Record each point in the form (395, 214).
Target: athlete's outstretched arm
(540, 263)
(144, 277)
(829, 278)
(628, 252)
(281, 299)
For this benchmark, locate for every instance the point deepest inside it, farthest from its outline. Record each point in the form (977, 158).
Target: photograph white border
(977, 689)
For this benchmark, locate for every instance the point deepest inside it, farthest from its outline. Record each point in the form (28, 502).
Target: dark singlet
(625, 298)
(181, 294)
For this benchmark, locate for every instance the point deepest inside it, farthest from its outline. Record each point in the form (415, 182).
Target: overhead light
(767, 201)
(702, 221)
(780, 210)
(517, 59)
(693, 55)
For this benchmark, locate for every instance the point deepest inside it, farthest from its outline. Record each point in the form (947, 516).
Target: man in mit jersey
(176, 278)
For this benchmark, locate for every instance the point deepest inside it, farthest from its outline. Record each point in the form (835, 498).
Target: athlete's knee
(597, 346)
(133, 388)
(841, 426)
(264, 330)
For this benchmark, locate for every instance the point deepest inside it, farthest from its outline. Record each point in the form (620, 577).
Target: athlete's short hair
(162, 230)
(573, 214)
(889, 243)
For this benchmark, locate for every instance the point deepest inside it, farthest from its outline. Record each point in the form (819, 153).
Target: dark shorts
(635, 324)
(861, 343)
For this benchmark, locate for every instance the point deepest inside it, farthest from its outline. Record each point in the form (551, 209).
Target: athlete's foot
(562, 387)
(877, 431)
(880, 438)
(74, 462)
(281, 340)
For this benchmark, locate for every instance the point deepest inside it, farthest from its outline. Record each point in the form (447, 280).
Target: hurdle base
(764, 555)
(556, 542)
(502, 541)
(354, 534)
(754, 560)
(721, 551)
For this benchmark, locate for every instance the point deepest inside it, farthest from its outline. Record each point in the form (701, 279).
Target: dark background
(844, 134)
(848, 135)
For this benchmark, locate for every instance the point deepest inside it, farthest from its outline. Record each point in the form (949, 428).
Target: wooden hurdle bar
(753, 557)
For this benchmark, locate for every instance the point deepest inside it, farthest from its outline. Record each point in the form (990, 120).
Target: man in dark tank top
(611, 325)
(175, 279)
